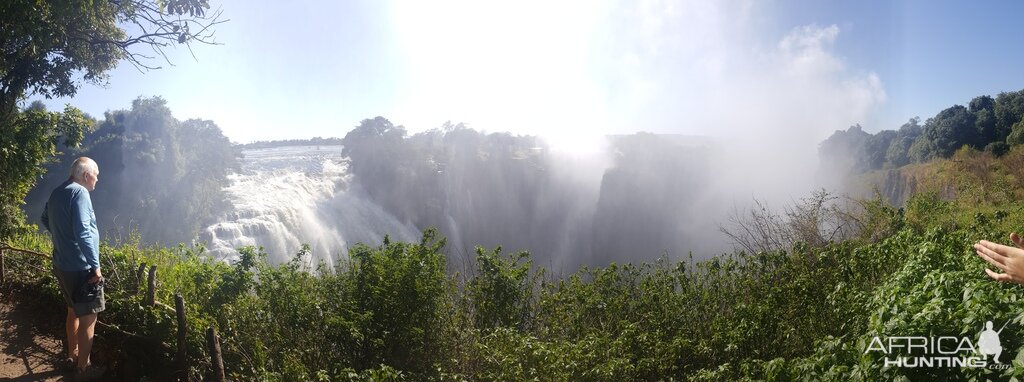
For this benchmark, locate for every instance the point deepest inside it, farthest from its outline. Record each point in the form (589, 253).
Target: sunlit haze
(574, 69)
(515, 190)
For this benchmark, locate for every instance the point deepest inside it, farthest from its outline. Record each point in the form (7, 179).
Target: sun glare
(576, 143)
(500, 68)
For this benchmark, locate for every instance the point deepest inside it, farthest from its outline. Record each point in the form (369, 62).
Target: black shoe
(66, 365)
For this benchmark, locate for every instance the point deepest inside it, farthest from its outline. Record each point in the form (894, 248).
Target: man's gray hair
(82, 166)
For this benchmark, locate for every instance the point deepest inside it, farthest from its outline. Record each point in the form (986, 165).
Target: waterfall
(284, 197)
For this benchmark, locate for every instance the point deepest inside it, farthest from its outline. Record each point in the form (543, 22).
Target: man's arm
(46, 216)
(86, 234)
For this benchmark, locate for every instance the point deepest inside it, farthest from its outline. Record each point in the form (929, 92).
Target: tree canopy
(990, 124)
(50, 48)
(46, 45)
(162, 177)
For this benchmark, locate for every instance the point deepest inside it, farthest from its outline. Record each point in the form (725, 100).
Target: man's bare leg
(71, 327)
(86, 327)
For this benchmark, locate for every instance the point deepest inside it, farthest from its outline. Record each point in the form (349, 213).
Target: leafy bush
(392, 312)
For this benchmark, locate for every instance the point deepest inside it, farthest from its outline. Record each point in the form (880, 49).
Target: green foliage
(48, 45)
(1016, 136)
(898, 153)
(879, 219)
(47, 48)
(983, 108)
(160, 176)
(1008, 109)
(25, 143)
(950, 129)
(392, 312)
(922, 150)
(989, 124)
(876, 149)
(375, 146)
(997, 148)
(38, 56)
(399, 290)
(924, 209)
(502, 290)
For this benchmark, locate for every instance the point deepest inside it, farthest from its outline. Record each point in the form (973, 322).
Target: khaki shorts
(70, 283)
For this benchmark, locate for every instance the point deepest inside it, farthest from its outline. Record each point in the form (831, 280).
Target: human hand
(1008, 259)
(97, 276)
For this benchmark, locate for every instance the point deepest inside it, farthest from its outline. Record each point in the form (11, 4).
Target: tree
(983, 108)
(981, 103)
(997, 148)
(1008, 110)
(49, 48)
(24, 144)
(898, 154)
(161, 177)
(922, 150)
(46, 45)
(374, 146)
(843, 149)
(875, 149)
(1016, 136)
(950, 129)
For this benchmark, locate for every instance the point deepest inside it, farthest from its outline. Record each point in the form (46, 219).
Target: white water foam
(284, 197)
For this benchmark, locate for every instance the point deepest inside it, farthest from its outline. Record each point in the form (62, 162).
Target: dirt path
(29, 345)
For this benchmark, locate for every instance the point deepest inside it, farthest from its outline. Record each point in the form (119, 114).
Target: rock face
(649, 199)
(897, 188)
(898, 185)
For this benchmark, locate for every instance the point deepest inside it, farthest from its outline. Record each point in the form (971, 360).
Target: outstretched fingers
(1004, 251)
(998, 276)
(991, 256)
(1017, 240)
(1008, 259)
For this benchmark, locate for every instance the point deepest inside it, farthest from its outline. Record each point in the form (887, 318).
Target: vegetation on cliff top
(392, 312)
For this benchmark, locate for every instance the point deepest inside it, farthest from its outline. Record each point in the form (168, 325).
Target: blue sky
(576, 69)
(929, 54)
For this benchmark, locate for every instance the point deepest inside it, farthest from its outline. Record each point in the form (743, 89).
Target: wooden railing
(181, 358)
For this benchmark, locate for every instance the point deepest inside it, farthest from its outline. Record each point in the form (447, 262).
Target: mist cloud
(717, 69)
(711, 69)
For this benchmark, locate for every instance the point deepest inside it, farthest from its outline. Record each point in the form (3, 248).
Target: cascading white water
(284, 197)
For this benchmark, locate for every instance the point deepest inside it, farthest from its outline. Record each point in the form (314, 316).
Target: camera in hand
(88, 292)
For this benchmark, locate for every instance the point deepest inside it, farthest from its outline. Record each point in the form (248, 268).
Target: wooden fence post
(151, 293)
(179, 305)
(215, 357)
(138, 277)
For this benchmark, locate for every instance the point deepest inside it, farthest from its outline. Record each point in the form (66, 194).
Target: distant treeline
(992, 125)
(315, 141)
(159, 176)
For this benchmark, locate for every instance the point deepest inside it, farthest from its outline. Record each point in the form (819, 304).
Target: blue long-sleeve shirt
(69, 217)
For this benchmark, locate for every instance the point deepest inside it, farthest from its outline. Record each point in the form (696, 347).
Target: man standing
(69, 217)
